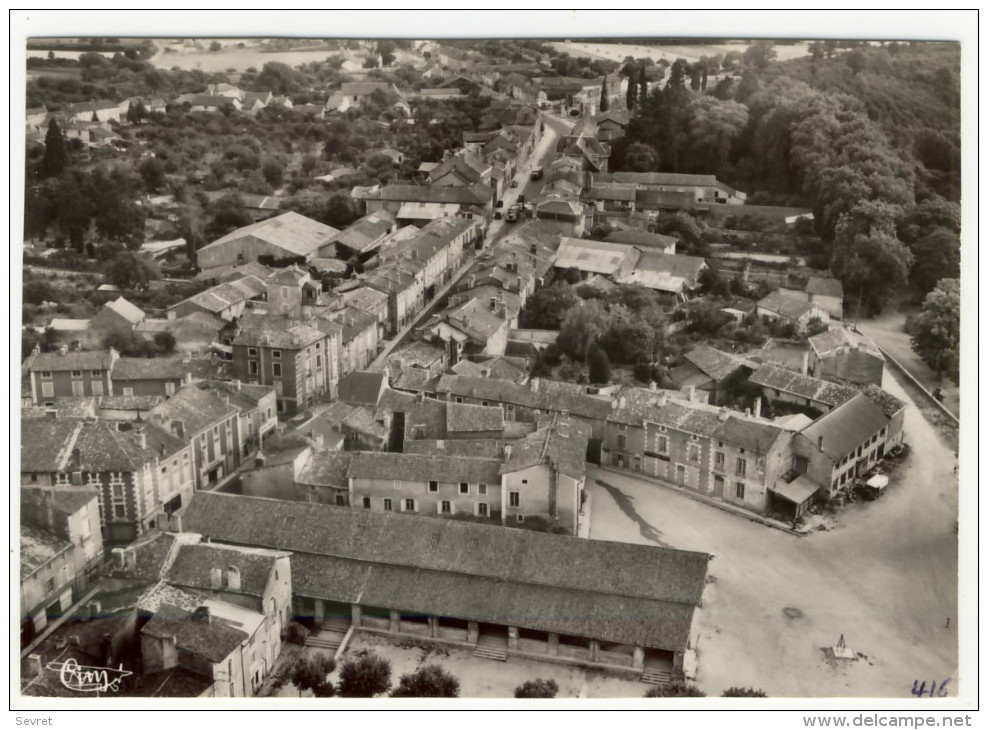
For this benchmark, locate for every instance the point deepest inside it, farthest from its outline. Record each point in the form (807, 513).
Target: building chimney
(806, 363)
(534, 384)
(747, 413)
(819, 443)
(201, 615)
(441, 444)
(724, 414)
(215, 578)
(691, 392)
(232, 578)
(507, 452)
(142, 437)
(259, 459)
(236, 385)
(178, 428)
(62, 349)
(51, 413)
(758, 407)
(186, 357)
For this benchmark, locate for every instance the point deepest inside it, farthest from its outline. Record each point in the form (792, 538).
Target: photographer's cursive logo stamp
(80, 678)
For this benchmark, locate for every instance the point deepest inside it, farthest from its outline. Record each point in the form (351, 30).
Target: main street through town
(542, 156)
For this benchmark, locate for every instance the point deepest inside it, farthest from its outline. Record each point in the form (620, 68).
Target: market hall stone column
(355, 615)
(513, 638)
(473, 632)
(553, 644)
(394, 625)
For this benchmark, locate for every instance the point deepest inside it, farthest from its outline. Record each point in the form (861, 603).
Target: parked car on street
(537, 173)
(512, 214)
(514, 183)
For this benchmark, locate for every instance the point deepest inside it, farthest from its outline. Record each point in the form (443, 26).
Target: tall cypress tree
(55, 154)
(631, 95)
(604, 103)
(643, 84)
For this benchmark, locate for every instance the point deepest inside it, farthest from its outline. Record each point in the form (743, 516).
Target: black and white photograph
(607, 357)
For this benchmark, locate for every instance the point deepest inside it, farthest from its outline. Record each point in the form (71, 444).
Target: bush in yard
(296, 633)
(365, 676)
(428, 681)
(675, 690)
(537, 689)
(743, 692)
(643, 372)
(310, 672)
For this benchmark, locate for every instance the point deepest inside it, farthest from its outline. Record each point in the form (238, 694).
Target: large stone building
(507, 592)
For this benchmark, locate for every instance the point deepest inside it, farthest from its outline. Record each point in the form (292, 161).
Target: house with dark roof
(472, 327)
(436, 250)
(118, 315)
(714, 371)
(647, 242)
(362, 388)
(361, 238)
(781, 384)
(211, 424)
(137, 376)
(61, 551)
(141, 472)
(284, 236)
(64, 373)
(702, 188)
(672, 274)
(781, 305)
(611, 124)
(300, 361)
(527, 593)
(258, 405)
(848, 440)
(843, 355)
(227, 300)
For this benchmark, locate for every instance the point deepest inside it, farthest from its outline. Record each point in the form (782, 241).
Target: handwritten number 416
(919, 688)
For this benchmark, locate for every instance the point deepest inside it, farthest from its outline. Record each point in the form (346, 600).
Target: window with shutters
(367, 502)
(693, 452)
(514, 499)
(48, 390)
(482, 509)
(276, 369)
(409, 505)
(739, 490)
(446, 507)
(387, 504)
(97, 387)
(719, 461)
(464, 488)
(78, 388)
(433, 486)
(742, 466)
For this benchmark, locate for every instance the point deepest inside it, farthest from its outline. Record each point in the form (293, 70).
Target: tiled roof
(464, 418)
(837, 339)
(193, 564)
(290, 231)
(889, 404)
(416, 467)
(805, 386)
(594, 256)
(416, 379)
(825, 287)
(547, 395)
(364, 232)
(561, 446)
(663, 178)
(642, 239)
(326, 469)
(757, 436)
(126, 310)
(674, 264)
(786, 306)
(467, 195)
(38, 548)
(129, 402)
(47, 443)
(66, 500)
(636, 594)
(362, 387)
(714, 363)
(475, 448)
(197, 409)
(77, 360)
(259, 330)
(150, 368)
(214, 640)
(847, 426)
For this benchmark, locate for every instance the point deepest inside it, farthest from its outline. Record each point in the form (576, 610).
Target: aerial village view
(612, 368)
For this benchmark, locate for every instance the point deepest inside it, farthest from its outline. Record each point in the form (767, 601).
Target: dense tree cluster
(936, 330)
